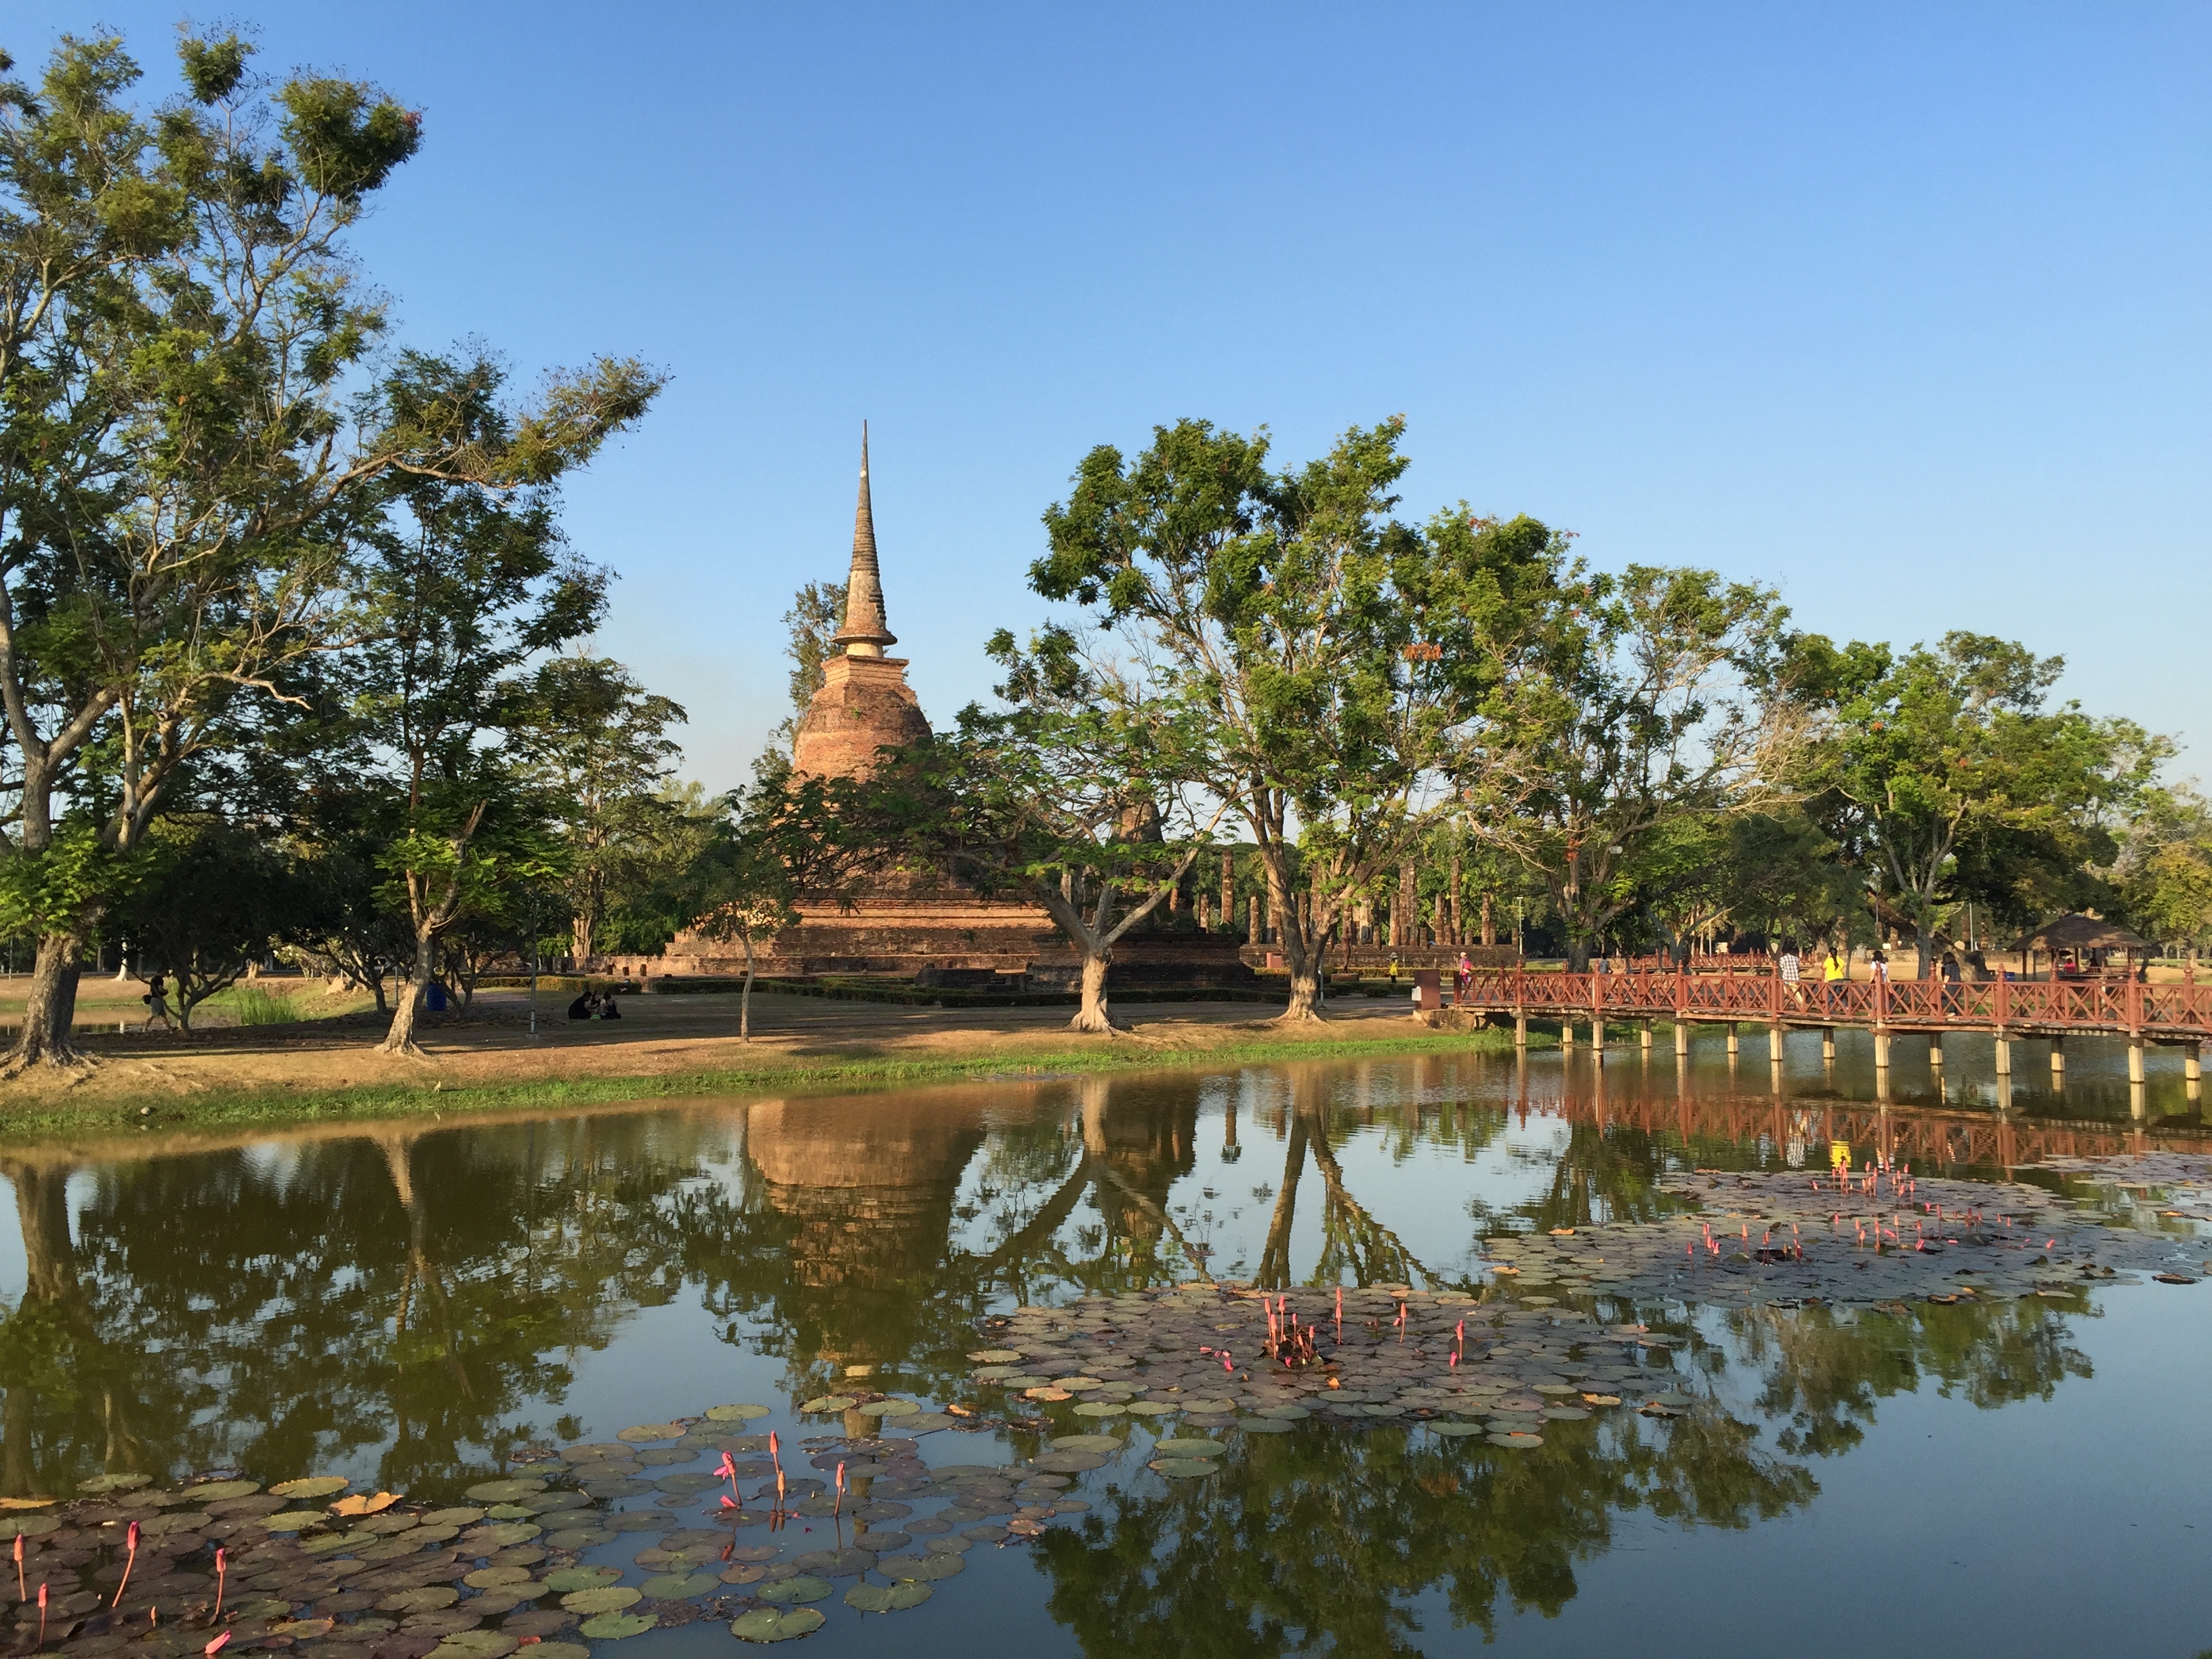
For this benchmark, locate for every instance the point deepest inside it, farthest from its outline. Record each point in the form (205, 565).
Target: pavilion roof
(2077, 931)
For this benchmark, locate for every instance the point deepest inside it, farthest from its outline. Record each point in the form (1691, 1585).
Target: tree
(598, 748)
(2166, 868)
(181, 476)
(467, 587)
(217, 896)
(740, 888)
(1947, 750)
(1330, 655)
(1638, 704)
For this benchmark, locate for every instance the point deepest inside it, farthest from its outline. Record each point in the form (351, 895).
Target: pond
(1025, 1400)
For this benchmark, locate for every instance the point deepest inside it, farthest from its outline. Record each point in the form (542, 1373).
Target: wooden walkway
(2008, 1010)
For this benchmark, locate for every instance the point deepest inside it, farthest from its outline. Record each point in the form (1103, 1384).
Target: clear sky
(1903, 308)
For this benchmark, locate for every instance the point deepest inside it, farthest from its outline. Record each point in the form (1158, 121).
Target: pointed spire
(866, 633)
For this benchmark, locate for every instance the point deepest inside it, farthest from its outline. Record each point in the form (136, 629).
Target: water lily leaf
(1047, 1392)
(641, 1431)
(1087, 1443)
(1268, 1425)
(482, 1644)
(1189, 1446)
(1566, 1414)
(486, 1578)
(613, 1626)
(1068, 1462)
(313, 1485)
(1100, 1408)
(506, 1533)
(302, 1629)
(1515, 1442)
(604, 1598)
(122, 1483)
(889, 1408)
(686, 1482)
(459, 1516)
(569, 1580)
(804, 1587)
(925, 1423)
(293, 1520)
(735, 1413)
(1455, 1431)
(1180, 1467)
(1152, 1408)
(559, 1651)
(996, 1356)
(828, 1402)
(676, 1586)
(215, 1491)
(422, 1599)
(933, 1566)
(888, 1598)
(776, 1625)
(501, 1491)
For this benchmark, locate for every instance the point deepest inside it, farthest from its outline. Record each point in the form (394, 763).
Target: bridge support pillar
(1828, 1045)
(2192, 1062)
(1520, 1031)
(1732, 1046)
(1880, 1050)
(2135, 1059)
(1597, 1038)
(1681, 1039)
(1936, 1050)
(2138, 1101)
(1774, 1043)
(2004, 1055)
(1644, 1036)
(1566, 1036)
(2058, 1057)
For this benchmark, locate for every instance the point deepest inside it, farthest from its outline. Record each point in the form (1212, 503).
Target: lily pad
(1566, 1414)
(735, 1413)
(889, 1408)
(484, 1578)
(643, 1431)
(313, 1485)
(888, 1598)
(460, 1515)
(121, 1483)
(216, 1491)
(604, 1598)
(1068, 1462)
(560, 1650)
(613, 1626)
(676, 1586)
(293, 1520)
(1456, 1431)
(1204, 1406)
(423, 1599)
(1100, 1408)
(502, 1491)
(1151, 1408)
(915, 1567)
(1189, 1446)
(1182, 1467)
(828, 1402)
(925, 1423)
(483, 1644)
(776, 1625)
(1268, 1425)
(1517, 1442)
(1286, 1414)
(29, 1526)
(1087, 1443)
(995, 1356)
(787, 1592)
(569, 1580)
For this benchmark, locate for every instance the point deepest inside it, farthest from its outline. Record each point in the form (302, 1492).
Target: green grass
(250, 1004)
(276, 1107)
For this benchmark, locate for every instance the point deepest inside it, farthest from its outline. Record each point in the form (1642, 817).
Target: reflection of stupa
(904, 926)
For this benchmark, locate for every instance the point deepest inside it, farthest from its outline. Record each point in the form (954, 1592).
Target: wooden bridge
(2009, 1009)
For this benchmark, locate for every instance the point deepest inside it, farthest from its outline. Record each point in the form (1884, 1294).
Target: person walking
(1833, 972)
(1947, 970)
(157, 1004)
(1465, 988)
(1787, 967)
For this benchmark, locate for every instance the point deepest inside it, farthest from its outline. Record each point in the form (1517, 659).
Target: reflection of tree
(1827, 1368)
(1320, 1540)
(1602, 1174)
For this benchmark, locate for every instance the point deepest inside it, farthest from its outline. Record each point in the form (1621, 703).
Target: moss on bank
(278, 1106)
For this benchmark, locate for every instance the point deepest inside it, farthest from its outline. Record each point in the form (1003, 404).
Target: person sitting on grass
(584, 1007)
(607, 1008)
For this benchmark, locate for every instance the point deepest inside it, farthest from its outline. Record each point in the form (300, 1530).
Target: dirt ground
(492, 1043)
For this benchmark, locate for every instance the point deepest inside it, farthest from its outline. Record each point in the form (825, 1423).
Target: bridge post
(1774, 1044)
(1882, 1053)
(2135, 1057)
(1828, 1045)
(1730, 1028)
(2004, 1053)
(1597, 1038)
(2057, 1057)
(1520, 1030)
(1644, 1037)
(1936, 1050)
(1567, 1035)
(2192, 1062)
(1681, 1037)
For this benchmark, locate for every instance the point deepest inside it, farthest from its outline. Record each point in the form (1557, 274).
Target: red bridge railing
(2051, 1005)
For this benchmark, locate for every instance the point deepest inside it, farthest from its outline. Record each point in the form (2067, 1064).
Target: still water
(420, 1307)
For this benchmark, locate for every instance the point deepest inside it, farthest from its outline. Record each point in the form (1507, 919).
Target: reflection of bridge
(1925, 1138)
(2006, 1009)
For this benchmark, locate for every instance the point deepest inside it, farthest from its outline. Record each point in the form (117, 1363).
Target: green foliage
(215, 896)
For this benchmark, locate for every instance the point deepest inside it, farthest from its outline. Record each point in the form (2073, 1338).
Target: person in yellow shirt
(1832, 972)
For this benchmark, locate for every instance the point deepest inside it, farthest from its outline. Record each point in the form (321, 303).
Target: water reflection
(417, 1303)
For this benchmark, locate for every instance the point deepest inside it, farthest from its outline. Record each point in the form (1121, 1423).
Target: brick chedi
(865, 704)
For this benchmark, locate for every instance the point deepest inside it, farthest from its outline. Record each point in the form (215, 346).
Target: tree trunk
(1578, 954)
(400, 1039)
(51, 1007)
(1094, 1016)
(746, 996)
(1489, 921)
(1923, 947)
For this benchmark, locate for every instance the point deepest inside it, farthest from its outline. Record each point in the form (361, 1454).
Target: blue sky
(1903, 308)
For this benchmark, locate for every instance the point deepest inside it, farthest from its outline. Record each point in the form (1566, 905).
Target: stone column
(1228, 890)
(1489, 921)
